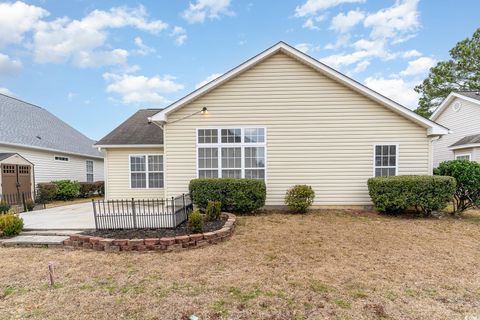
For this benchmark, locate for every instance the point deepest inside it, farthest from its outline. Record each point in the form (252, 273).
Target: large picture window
(146, 171)
(231, 153)
(386, 160)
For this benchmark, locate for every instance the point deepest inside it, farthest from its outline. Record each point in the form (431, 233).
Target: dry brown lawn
(61, 203)
(324, 265)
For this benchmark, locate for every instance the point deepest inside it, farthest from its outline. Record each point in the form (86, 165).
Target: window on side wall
(385, 160)
(89, 167)
(146, 171)
(463, 157)
(231, 153)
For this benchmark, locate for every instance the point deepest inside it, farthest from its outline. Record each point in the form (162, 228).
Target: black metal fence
(20, 199)
(141, 213)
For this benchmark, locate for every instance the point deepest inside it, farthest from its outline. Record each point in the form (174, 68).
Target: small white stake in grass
(51, 273)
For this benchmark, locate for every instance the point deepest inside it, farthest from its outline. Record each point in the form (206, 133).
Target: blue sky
(93, 63)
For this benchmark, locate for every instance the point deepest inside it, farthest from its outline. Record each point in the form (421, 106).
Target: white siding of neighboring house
(117, 171)
(462, 123)
(319, 132)
(47, 169)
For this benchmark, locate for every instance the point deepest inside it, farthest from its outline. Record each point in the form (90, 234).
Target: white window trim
(92, 172)
(397, 157)
(241, 145)
(463, 155)
(146, 170)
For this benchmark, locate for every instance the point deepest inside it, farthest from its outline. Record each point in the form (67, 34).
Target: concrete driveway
(72, 217)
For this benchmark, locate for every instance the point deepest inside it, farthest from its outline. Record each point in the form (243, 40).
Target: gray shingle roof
(4, 156)
(135, 130)
(470, 94)
(473, 139)
(26, 124)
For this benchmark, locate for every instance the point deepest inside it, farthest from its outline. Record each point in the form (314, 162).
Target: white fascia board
(434, 129)
(104, 146)
(465, 146)
(50, 150)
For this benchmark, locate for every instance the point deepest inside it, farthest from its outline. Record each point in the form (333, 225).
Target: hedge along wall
(235, 195)
(423, 193)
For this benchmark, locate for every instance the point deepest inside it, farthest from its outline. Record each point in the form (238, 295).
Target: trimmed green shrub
(299, 198)
(195, 221)
(213, 210)
(235, 195)
(423, 193)
(4, 207)
(29, 204)
(67, 189)
(87, 189)
(11, 224)
(467, 175)
(46, 192)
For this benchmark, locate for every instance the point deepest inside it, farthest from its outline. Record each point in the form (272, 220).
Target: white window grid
(89, 170)
(382, 166)
(242, 144)
(149, 167)
(463, 156)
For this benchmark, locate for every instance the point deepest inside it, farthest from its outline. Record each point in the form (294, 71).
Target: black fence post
(184, 205)
(95, 214)
(134, 214)
(24, 202)
(174, 214)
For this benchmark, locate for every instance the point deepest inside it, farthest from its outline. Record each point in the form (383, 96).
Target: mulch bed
(154, 233)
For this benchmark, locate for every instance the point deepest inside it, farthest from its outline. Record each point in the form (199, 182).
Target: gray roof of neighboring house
(4, 156)
(22, 123)
(135, 130)
(473, 139)
(470, 94)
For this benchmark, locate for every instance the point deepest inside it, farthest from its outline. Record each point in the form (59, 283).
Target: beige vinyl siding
(117, 172)
(48, 169)
(462, 123)
(319, 132)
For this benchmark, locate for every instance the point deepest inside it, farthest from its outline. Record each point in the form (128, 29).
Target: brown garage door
(16, 180)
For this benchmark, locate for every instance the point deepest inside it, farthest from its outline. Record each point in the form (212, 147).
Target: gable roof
(470, 96)
(433, 128)
(468, 141)
(27, 125)
(136, 130)
(4, 156)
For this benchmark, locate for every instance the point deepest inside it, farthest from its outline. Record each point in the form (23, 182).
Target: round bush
(195, 221)
(46, 192)
(467, 175)
(11, 224)
(4, 207)
(67, 189)
(299, 198)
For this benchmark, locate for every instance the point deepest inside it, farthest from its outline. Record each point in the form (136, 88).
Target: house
(51, 149)
(282, 117)
(460, 112)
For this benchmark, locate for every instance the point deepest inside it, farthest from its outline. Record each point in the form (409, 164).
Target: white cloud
(311, 7)
(401, 18)
(143, 49)
(9, 66)
(310, 22)
(6, 91)
(140, 89)
(16, 19)
(180, 35)
(411, 54)
(342, 41)
(304, 47)
(344, 22)
(418, 66)
(397, 89)
(82, 41)
(212, 9)
(361, 66)
(211, 77)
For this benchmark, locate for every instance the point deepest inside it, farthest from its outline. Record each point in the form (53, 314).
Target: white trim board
(50, 150)
(446, 102)
(434, 129)
(465, 146)
(104, 146)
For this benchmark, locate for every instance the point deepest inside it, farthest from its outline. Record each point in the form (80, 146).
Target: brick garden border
(165, 244)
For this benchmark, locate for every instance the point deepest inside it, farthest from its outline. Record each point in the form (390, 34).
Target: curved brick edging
(164, 244)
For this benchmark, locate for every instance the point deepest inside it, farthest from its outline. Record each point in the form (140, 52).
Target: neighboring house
(55, 150)
(282, 117)
(460, 112)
